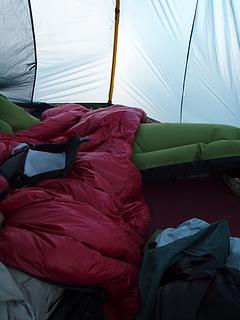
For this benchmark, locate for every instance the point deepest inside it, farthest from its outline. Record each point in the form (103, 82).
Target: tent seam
(187, 61)
(35, 49)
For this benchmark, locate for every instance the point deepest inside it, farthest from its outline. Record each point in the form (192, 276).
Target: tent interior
(176, 60)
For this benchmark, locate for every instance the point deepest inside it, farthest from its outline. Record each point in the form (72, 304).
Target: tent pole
(115, 43)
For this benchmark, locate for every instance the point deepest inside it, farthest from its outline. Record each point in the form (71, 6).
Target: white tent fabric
(152, 59)
(74, 41)
(213, 78)
(179, 60)
(152, 50)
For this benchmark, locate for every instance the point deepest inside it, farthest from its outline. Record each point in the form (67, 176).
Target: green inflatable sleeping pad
(13, 117)
(165, 144)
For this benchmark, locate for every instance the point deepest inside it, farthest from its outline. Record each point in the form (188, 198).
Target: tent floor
(208, 198)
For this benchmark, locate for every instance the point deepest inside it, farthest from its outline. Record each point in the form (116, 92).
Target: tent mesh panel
(17, 50)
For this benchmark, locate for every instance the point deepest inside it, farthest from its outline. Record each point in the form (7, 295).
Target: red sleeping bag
(85, 229)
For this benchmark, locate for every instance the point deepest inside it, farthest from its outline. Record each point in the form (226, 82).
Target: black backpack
(29, 164)
(194, 288)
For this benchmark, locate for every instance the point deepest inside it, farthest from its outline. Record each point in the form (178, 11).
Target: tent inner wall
(153, 56)
(17, 55)
(213, 77)
(152, 50)
(175, 67)
(74, 41)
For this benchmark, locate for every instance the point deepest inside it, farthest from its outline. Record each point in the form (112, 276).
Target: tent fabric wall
(74, 41)
(213, 77)
(17, 55)
(179, 60)
(153, 43)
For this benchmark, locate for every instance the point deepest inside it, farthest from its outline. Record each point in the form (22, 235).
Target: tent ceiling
(177, 59)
